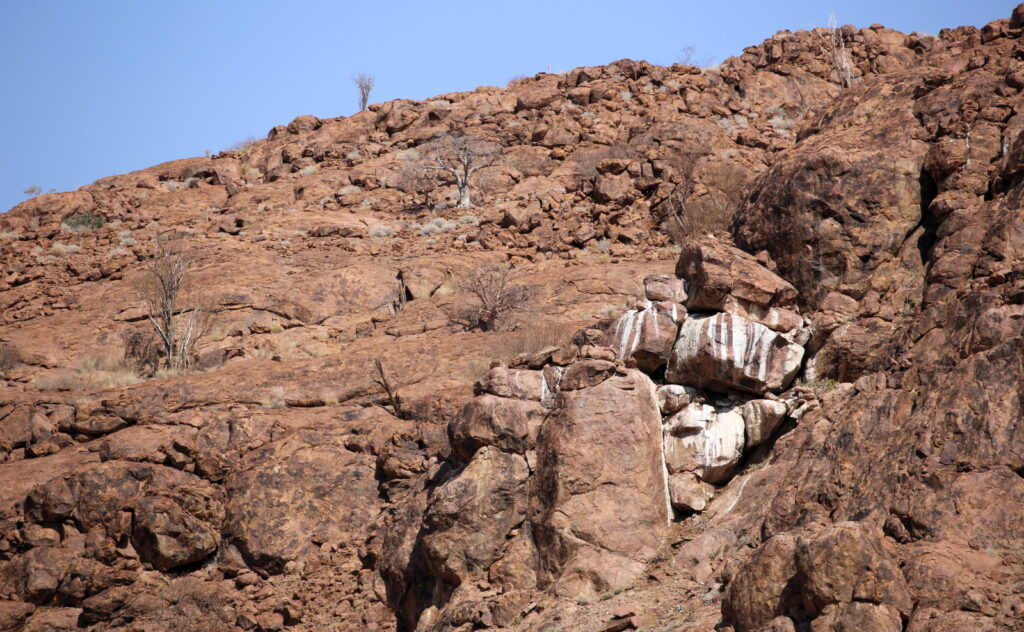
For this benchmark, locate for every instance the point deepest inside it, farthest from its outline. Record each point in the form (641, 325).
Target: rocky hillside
(736, 348)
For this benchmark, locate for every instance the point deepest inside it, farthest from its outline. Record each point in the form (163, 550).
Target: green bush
(84, 221)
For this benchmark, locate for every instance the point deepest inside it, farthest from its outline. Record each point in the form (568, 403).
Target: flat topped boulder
(719, 274)
(725, 351)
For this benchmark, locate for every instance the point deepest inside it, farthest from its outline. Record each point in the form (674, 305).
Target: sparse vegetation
(460, 156)
(381, 230)
(81, 222)
(494, 298)
(275, 398)
(394, 399)
(174, 311)
(364, 83)
(834, 44)
(683, 224)
(33, 190)
(689, 56)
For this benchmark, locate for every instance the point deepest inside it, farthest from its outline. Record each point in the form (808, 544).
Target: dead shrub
(493, 298)
(686, 222)
(536, 338)
(176, 313)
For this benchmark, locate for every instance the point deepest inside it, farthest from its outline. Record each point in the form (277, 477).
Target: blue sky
(104, 87)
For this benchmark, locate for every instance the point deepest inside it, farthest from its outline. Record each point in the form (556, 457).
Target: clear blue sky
(94, 88)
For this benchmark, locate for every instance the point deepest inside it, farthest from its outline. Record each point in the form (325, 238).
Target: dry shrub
(493, 299)
(534, 339)
(196, 606)
(175, 312)
(707, 216)
(9, 356)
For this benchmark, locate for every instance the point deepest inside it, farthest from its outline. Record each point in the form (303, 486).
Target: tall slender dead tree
(364, 83)
(835, 45)
(460, 156)
(177, 317)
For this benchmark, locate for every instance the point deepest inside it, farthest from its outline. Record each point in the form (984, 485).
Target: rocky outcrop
(599, 498)
(815, 426)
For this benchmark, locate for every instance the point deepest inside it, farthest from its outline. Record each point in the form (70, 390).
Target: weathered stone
(704, 441)
(510, 424)
(664, 287)
(598, 501)
(674, 397)
(292, 494)
(844, 563)
(761, 417)
(724, 352)
(470, 516)
(643, 338)
(720, 275)
(687, 491)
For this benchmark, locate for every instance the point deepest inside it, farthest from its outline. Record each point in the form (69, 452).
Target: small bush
(438, 225)
(683, 223)
(494, 298)
(381, 230)
(81, 222)
(9, 356)
(64, 249)
(275, 398)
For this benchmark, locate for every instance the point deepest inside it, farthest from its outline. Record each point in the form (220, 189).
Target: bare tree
(493, 298)
(459, 156)
(364, 83)
(394, 399)
(834, 44)
(689, 56)
(177, 317)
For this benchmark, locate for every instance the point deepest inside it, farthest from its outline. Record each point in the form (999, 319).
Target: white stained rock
(644, 337)
(761, 417)
(704, 441)
(674, 397)
(725, 351)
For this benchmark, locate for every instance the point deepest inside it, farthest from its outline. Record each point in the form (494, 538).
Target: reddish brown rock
(292, 495)
(598, 501)
(471, 515)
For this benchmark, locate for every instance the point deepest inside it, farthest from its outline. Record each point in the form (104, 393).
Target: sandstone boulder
(598, 498)
(471, 515)
(722, 276)
(294, 494)
(724, 351)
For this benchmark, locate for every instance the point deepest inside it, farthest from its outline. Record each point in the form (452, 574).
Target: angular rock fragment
(761, 417)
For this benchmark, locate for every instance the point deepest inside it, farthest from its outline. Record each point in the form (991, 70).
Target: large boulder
(725, 351)
(177, 516)
(724, 278)
(705, 441)
(297, 493)
(471, 515)
(598, 499)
